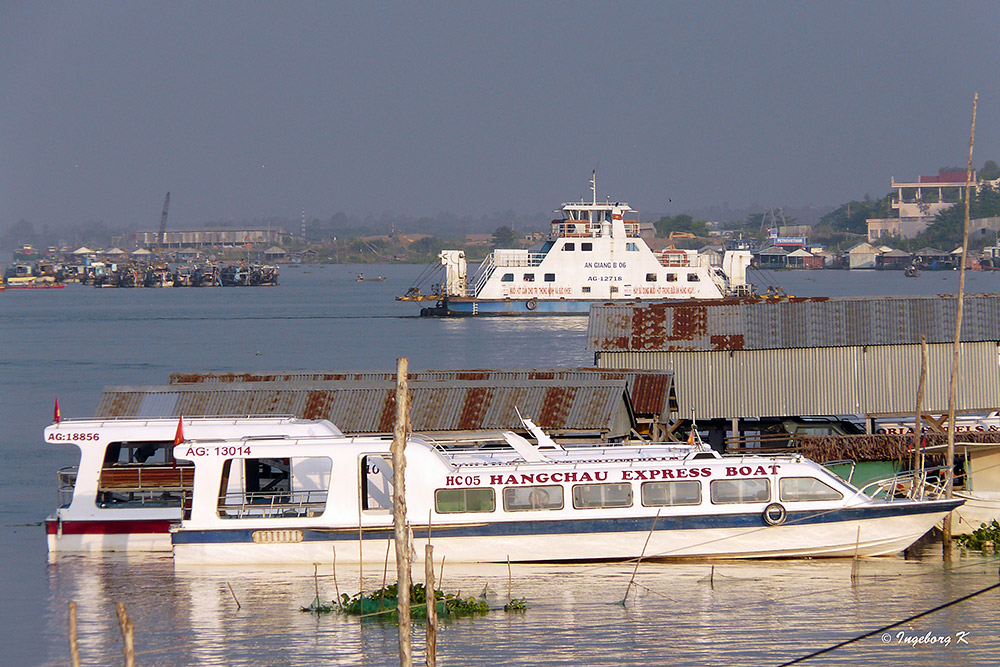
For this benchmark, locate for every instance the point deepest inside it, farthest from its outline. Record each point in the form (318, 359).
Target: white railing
(925, 484)
(272, 504)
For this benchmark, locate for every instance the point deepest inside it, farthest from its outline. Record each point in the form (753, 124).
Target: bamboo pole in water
(918, 416)
(125, 623)
(399, 511)
(950, 459)
(431, 653)
(74, 649)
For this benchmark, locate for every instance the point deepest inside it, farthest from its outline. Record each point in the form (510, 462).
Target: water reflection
(678, 613)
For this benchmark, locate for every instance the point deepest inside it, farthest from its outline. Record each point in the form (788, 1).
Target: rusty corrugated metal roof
(763, 324)
(652, 392)
(597, 406)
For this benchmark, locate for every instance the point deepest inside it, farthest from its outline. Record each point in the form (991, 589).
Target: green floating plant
(516, 605)
(383, 603)
(985, 537)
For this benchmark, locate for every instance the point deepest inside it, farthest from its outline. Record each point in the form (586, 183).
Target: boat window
(585, 289)
(376, 473)
(632, 247)
(274, 488)
(142, 474)
(671, 277)
(529, 277)
(529, 498)
(650, 277)
(453, 501)
(149, 452)
(587, 496)
(550, 277)
(663, 494)
(792, 489)
(507, 278)
(614, 290)
(586, 247)
(693, 278)
(569, 247)
(756, 490)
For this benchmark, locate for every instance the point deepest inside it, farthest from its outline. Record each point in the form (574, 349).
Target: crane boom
(163, 223)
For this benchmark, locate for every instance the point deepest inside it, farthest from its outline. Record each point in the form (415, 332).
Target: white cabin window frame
(605, 495)
(569, 247)
(670, 277)
(507, 278)
(529, 277)
(650, 277)
(749, 490)
(586, 247)
(465, 500)
(533, 498)
(671, 493)
(806, 489)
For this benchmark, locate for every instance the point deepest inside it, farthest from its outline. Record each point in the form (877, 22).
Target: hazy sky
(249, 110)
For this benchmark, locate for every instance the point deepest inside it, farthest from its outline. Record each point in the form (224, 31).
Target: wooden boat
(298, 500)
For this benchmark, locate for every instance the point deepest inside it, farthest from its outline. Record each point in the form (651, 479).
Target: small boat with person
(297, 500)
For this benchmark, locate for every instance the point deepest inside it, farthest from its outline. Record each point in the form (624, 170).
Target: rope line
(890, 626)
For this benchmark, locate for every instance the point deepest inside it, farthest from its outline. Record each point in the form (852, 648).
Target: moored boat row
(283, 490)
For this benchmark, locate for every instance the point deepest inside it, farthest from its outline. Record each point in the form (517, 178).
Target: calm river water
(73, 342)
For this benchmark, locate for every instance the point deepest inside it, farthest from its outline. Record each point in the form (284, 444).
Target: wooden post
(399, 511)
(432, 618)
(950, 458)
(125, 623)
(74, 649)
(918, 416)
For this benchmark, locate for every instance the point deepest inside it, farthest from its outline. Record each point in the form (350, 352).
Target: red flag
(179, 435)
(56, 415)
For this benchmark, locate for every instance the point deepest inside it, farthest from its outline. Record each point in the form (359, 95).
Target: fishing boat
(301, 500)
(128, 489)
(361, 279)
(594, 253)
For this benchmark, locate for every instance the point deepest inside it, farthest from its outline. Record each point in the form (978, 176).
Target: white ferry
(128, 489)
(313, 499)
(594, 253)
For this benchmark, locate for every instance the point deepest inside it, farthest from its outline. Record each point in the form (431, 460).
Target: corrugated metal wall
(791, 322)
(821, 380)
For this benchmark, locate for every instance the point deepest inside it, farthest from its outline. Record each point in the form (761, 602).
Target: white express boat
(313, 499)
(128, 489)
(594, 253)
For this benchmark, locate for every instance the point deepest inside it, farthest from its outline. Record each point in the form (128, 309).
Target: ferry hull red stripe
(109, 527)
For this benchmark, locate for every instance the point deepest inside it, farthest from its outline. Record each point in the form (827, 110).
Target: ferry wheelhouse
(594, 253)
(530, 503)
(128, 489)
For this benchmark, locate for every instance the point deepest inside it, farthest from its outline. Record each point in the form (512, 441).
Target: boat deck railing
(66, 485)
(273, 505)
(923, 484)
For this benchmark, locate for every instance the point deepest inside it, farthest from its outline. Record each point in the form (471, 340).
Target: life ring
(531, 304)
(774, 514)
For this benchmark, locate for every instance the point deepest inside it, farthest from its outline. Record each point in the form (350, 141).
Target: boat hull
(134, 535)
(870, 530)
(979, 508)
